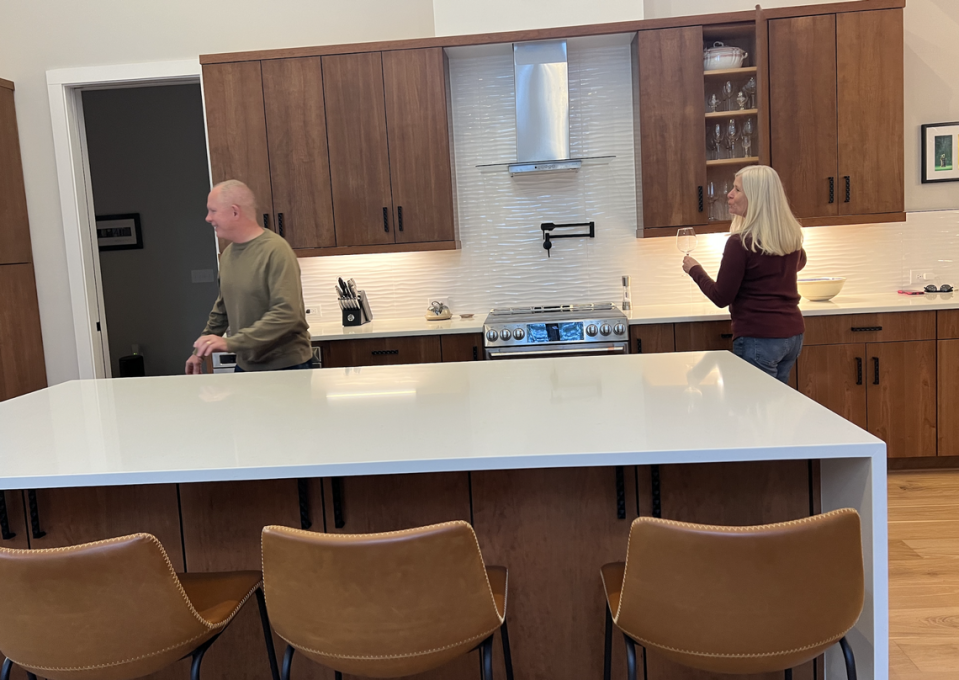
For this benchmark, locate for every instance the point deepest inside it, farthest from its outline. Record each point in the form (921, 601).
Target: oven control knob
(519, 334)
(591, 330)
(619, 329)
(505, 334)
(605, 329)
(492, 335)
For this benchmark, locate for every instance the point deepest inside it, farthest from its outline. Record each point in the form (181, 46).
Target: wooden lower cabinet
(948, 397)
(554, 529)
(887, 388)
(654, 338)
(463, 347)
(425, 349)
(22, 367)
(702, 336)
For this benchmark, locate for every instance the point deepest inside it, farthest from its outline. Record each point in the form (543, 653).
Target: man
(260, 298)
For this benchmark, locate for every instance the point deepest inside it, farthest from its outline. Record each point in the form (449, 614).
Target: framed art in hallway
(940, 152)
(119, 232)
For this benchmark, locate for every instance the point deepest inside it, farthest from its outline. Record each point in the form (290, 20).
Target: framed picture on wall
(119, 232)
(940, 152)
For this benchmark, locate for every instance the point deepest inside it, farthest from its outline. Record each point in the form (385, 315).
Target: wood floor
(924, 575)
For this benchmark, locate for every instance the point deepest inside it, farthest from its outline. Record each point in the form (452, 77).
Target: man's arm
(216, 325)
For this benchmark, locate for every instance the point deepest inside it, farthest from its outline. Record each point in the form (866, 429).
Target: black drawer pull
(266, 220)
(865, 329)
(655, 491)
(279, 224)
(35, 515)
(337, 486)
(386, 220)
(399, 218)
(639, 345)
(303, 492)
(859, 370)
(875, 367)
(832, 189)
(847, 188)
(620, 493)
(381, 352)
(475, 353)
(700, 192)
(5, 532)
(726, 336)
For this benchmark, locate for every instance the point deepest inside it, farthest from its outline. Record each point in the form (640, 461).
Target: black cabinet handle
(859, 370)
(303, 493)
(266, 220)
(700, 192)
(657, 497)
(846, 177)
(279, 224)
(620, 493)
(475, 353)
(337, 485)
(639, 345)
(726, 336)
(865, 329)
(35, 515)
(5, 532)
(380, 352)
(832, 189)
(399, 218)
(386, 220)
(875, 368)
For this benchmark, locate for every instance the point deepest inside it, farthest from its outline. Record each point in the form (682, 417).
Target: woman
(757, 277)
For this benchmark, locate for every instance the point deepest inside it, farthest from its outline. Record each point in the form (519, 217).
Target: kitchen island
(549, 459)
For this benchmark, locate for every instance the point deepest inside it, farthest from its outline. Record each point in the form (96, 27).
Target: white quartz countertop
(586, 411)
(673, 311)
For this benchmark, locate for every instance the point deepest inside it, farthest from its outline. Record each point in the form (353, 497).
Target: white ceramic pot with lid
(721, 57)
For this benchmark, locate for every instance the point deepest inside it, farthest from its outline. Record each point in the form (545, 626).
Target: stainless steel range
(561, 330)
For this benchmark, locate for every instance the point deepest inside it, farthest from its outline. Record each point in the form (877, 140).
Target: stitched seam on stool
(755, 655)
(481, 636)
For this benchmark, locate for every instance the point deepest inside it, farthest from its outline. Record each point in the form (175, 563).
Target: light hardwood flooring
(924, 575)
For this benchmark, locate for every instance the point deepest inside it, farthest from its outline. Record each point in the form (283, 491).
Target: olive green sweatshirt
(261, 301)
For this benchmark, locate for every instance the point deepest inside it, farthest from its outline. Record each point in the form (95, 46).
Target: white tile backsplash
(502, 261)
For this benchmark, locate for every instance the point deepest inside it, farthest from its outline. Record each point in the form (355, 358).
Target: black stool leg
(850, 659)
(267, 633)
(31, 676)
(608, 648)
(337, 675)
(507, 655)
(630, 658)
(287, 663)
(198, 658)
(789, 674)
(5, 671)
(486, 653)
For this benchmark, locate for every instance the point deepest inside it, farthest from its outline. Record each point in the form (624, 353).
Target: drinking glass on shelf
(713, 102)
(711, 196)
(747, 136)
(724, 209)
(686, 240)
(731, 137)
(717, 135)
(728, 95)
(749, 89)
(741, 101)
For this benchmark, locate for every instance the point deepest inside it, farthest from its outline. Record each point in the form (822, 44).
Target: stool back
(742, 599)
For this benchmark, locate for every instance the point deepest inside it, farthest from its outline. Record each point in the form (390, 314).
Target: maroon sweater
(759, 289)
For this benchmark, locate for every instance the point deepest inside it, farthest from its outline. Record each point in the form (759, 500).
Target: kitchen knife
(343, 287)
(352, 284)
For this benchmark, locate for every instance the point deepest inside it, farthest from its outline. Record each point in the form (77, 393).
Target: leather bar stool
(114, 610)
(384, 605)
(737, 600)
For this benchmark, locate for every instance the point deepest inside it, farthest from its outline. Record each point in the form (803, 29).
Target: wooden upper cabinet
(870, 87)
(673, 135)
(802, 103)
(22, 367)
(236, 130)
(359, 155)
(14, 227)
(419, 144)
(298, 156)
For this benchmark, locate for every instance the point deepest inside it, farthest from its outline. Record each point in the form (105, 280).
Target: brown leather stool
(750, 599)
(114, 610)
(384, 605)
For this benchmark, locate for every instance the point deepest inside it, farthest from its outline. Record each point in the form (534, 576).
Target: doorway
(154, 256)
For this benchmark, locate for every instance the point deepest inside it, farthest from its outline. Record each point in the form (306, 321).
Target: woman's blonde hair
(769, 224)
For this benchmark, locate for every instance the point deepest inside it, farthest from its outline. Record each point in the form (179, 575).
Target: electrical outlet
(313, 312)
(442, 299)
(918, 277)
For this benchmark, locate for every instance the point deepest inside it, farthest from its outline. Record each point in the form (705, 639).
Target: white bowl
(820, 288)
(722, 57)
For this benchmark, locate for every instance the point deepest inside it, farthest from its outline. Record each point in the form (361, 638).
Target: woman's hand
(689, 263)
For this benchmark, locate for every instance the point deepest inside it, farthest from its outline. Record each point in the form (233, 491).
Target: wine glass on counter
(686, 240)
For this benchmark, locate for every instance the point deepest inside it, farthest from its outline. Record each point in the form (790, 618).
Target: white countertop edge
(875, 450)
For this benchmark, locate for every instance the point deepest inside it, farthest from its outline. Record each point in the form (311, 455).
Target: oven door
(559, 350)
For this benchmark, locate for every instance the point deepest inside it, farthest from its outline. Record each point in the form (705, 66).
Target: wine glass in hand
(686, 240)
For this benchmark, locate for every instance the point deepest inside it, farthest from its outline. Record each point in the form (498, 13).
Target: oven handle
(618, 349)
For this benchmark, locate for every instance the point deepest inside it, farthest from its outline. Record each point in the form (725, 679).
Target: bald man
(261, 297)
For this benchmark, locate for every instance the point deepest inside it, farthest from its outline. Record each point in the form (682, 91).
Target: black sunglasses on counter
(945, 288)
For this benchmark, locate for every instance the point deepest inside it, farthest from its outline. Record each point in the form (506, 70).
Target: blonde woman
(757, 277)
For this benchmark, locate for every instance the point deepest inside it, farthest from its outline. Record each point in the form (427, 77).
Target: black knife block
(356, 311)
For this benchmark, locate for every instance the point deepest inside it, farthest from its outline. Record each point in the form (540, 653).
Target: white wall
(38, 36)
(464, 17)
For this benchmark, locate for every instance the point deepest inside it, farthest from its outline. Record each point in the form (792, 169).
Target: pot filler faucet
(547, 227)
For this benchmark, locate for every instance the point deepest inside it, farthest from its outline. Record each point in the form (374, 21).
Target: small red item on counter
(912, 292)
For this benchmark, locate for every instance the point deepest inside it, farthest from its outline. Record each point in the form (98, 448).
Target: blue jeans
(774, 356)
(305, 364)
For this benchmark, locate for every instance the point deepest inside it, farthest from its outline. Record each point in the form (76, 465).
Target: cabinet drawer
(947, 321)
(704, 335)
(879, 327)
(382, 352)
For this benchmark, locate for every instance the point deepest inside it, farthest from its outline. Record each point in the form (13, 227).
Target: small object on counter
(353, 303)
(627, 297)
(466, 316)
(820, 288)
(437, 311)
(912, 292)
